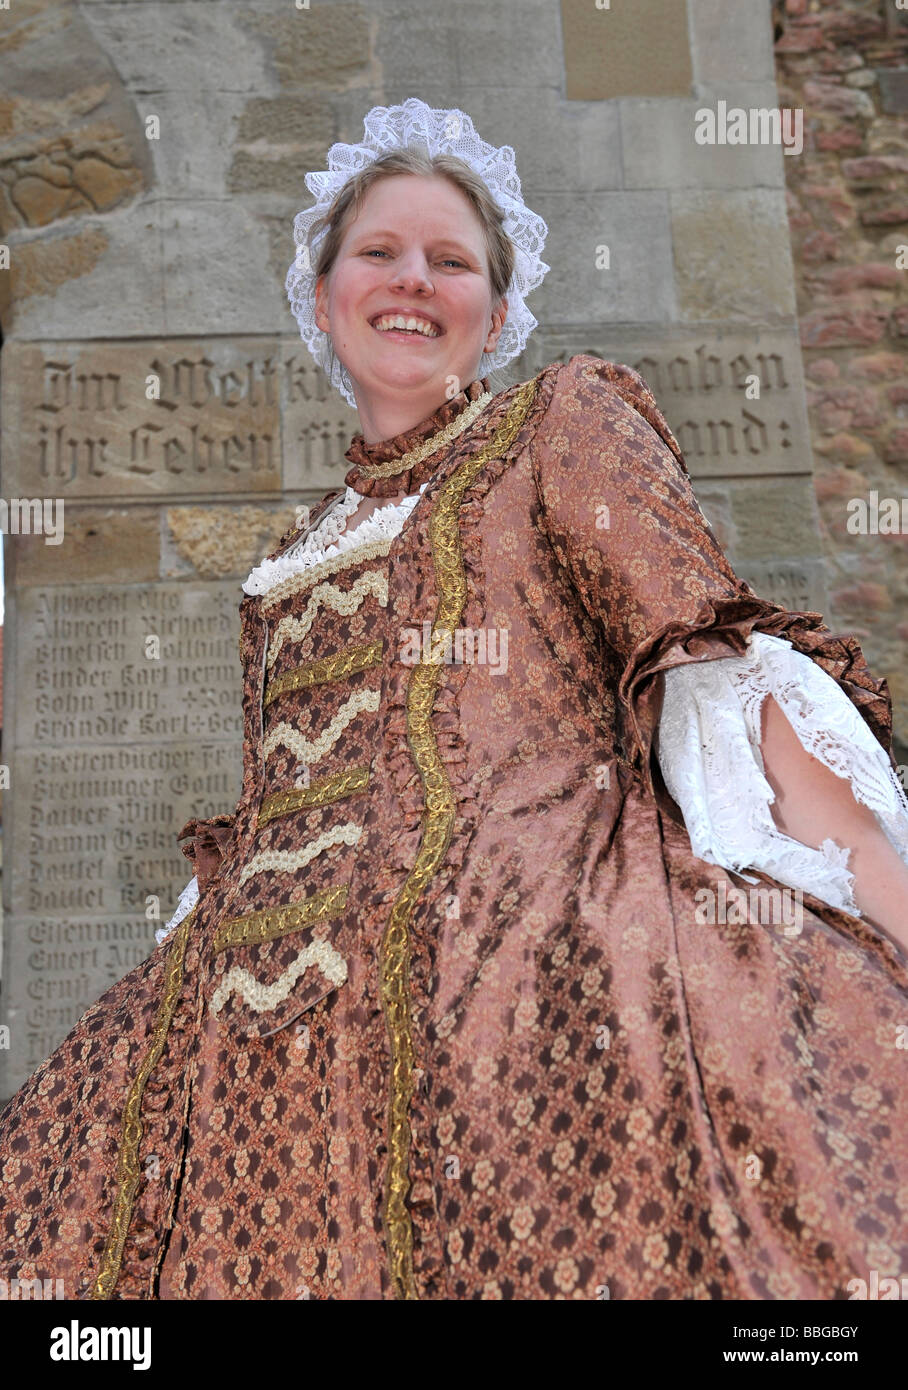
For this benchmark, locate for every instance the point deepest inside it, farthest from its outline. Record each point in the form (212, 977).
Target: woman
(455, 1005)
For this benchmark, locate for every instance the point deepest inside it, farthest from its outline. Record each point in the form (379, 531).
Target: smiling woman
(439, 1015)
(410, 286)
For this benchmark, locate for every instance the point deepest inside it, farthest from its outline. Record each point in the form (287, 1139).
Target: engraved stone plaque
(170, 418)
(125, 721)
(705, 384)
(798, 585)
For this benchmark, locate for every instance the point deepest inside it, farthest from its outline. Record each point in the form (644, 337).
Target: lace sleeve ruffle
(709, 752)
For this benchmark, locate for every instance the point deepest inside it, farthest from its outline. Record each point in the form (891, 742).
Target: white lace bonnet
(440, 132)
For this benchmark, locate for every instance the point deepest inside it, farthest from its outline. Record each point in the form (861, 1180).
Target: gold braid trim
(335, 667)
(429, 446)
(440, 808)
(273, 922)
(131, 1132)
(321, 793)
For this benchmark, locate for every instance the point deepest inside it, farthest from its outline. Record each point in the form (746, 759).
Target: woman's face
(416, 248)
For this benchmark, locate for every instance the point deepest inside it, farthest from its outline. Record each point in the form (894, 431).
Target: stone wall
(151, 162)
(847, 66)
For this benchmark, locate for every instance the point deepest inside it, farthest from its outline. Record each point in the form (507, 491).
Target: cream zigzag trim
(286, 860)
(309, 751)
(341, 600)
(259, 997)
(297, 582)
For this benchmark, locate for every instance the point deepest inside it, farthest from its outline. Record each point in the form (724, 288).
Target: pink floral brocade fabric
(447, 1026)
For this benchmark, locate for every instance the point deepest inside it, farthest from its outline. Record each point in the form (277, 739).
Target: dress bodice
(317, 619)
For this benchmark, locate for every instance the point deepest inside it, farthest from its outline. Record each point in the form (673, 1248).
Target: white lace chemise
(711, 760)
(708, 743)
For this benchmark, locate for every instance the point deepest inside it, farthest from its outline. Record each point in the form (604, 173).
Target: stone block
(118, 544)
(467, 50)
(626, 50)
(659, 149)
(637, 286)
(731, 41)
(775, 518)
(732, 255)
(324, 46)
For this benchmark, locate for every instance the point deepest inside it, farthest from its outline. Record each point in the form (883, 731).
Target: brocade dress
(499, 982)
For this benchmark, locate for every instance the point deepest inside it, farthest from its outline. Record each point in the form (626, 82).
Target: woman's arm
(813, 804)
(620, 514)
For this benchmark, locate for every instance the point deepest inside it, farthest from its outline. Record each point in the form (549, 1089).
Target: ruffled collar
(368, 458)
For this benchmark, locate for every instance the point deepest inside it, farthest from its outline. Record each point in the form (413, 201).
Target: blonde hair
(348, 203)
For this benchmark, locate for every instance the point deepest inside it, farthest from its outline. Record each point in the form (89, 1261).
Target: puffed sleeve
(617, 505)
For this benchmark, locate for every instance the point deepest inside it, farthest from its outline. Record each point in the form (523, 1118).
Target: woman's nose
(412, 273)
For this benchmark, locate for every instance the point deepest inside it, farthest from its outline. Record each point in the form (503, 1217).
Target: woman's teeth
(388, 322)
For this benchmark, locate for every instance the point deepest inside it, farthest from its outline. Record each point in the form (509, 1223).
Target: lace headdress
(438, 131)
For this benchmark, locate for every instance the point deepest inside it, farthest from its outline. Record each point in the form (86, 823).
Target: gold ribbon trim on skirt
(440, 809)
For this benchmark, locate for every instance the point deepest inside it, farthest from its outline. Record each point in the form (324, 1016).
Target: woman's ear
(499, 314)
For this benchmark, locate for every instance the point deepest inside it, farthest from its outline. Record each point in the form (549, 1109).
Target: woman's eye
(448, 260)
